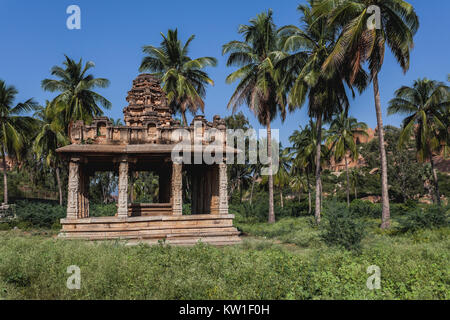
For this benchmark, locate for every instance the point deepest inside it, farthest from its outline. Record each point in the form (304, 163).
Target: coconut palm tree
(341, 141)
(13, 127)
(304, 152)
(359, 43)
(299, 183)
(355, 177)
(326, 94)
(259, 79)
(183, 79)
(49, 138)
(425, 105)
(76, 100)
(281, 178)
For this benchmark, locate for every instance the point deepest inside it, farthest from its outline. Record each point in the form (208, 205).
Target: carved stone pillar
(223, 189)
(122, 205)
(177, 188)
(84, 192)
(73, 189)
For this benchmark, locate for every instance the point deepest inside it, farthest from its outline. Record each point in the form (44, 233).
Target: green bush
(47, 214)
(401, 209)
(342, 228)
(361, 208)
(301, 231)
(4, 226)
(187, 209)
(427, 218)
(258, 211)
(39, 214)
(102, 210)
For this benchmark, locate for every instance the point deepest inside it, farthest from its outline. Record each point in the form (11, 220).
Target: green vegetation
(342, 228)
(285, 260)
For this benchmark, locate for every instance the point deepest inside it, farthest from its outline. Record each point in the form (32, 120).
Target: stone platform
(174, 230)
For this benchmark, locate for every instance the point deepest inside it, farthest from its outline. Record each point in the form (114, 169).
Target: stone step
(150, 234)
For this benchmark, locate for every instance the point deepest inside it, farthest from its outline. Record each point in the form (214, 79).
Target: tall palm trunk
(435, 179)
(269, 156)
(5, 178)
(385, 216)
(58, 181)
(309, 193)
(281, 199)
(183, 114)
(253, 185)
(318, 182)
(309, 201)
(240, 189)
(321, 194)
(348, 182)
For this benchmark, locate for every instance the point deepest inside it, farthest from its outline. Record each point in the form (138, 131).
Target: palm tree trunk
(385, 216)
(356, 194)
(251, 191)
(348, 182)
(321, 194)
(5, 178)
(309, 193)
(281, 199)
(309, 201)
(269, 156)
(183, 114)
(240, 189)
(318, 182)
(58, 181)
(435, 178)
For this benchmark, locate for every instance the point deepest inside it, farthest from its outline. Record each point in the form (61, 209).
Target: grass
(287, 260)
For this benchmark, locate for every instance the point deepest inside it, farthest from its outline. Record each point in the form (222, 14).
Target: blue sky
(34, 37)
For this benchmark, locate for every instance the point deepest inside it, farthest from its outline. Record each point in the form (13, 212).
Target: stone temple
(145, 143)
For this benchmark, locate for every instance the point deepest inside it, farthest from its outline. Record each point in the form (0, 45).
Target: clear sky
(34, 37)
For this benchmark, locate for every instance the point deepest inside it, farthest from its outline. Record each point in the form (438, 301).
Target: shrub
(39, 214)
(342, 228)
(361, 208)
(258, 211)
(187, 209)
(47, 214)
(103, 210)
(4, 226)
(401, 209)
(428, 218)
